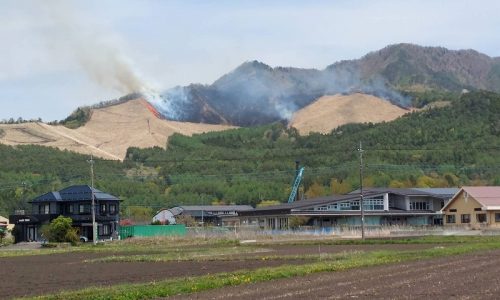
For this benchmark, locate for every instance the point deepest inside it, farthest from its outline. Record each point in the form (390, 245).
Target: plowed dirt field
(473, 276)
(45, 274)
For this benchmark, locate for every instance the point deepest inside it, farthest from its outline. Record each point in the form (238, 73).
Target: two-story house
(74, 202)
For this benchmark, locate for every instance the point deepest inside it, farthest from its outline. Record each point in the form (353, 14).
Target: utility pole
(360, 150)
(94, 225)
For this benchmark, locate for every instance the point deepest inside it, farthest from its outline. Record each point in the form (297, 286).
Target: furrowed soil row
(458, 277)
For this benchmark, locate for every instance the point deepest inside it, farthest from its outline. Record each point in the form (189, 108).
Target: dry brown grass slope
(330, 112)
(109, 132)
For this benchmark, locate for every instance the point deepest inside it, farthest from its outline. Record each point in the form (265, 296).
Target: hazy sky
(57, 55)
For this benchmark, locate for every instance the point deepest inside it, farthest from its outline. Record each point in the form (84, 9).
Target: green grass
(186, 254)
(227, 256)
(431, 239)
(170, 245)
(333, 264)
(150, 245)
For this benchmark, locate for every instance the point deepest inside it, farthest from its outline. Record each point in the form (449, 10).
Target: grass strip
(155, 245)
(429, 239)
(167, 245)
(206, 254)
(219, 257)
(201, 283)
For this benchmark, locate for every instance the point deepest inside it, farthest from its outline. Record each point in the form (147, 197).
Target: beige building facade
(473, 207)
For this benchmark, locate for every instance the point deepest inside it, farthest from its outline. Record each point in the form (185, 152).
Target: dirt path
(78, 141)
(455, 277)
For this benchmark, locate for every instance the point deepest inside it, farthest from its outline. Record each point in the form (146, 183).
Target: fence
(152, 230)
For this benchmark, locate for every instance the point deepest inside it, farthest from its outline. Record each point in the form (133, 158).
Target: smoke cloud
(255, 93)
(95, 49)
(171, 104)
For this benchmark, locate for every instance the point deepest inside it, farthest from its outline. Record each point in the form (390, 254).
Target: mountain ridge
(108, 133)
(255, 93)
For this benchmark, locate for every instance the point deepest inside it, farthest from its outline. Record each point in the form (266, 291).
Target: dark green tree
(60, 230)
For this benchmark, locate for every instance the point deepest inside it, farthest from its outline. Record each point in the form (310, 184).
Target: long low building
(382, 206)
(206, 214)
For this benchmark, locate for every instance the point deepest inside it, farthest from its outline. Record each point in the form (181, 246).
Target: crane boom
(296, 184)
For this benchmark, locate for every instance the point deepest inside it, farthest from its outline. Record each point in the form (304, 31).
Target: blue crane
(296, 184)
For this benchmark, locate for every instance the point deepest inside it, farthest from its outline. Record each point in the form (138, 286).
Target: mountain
(108, 133)
(447, 146)
(330, 112)
(412, 67)
(252, 94)
(255, 93)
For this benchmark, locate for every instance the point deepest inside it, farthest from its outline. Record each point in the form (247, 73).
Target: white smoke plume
(95, 49)
(170, 103)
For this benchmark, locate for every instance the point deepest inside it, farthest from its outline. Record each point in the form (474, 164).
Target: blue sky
(57, 55)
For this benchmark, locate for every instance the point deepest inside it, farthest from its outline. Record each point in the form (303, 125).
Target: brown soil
(109, 132)
(329, 112)
(472, 276)
(38, 275)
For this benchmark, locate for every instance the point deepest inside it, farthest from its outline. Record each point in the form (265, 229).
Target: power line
(189, 177)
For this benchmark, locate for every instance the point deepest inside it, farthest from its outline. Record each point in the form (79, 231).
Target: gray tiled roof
(74, 193)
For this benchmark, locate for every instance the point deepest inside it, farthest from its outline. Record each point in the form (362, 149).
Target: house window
(333, 206)
(103, 208)
(453, 210)
(374, 203)
(465, 218)
(497, 217)
(105, 229)
(450, 219)
(84, 208)
(112, 209)
(345, 205)
(354, 205)
(71, 209)
(481, 218)
(44, 209)
(419, 205)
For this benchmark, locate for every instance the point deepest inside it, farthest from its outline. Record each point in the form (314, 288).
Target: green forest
(438, 147)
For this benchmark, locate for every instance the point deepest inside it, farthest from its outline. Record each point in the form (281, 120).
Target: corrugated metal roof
(74, 193)
(216, 207)
(485, 195)
(396, 191)
(313, 202)
(439, 191)
(391, 212)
